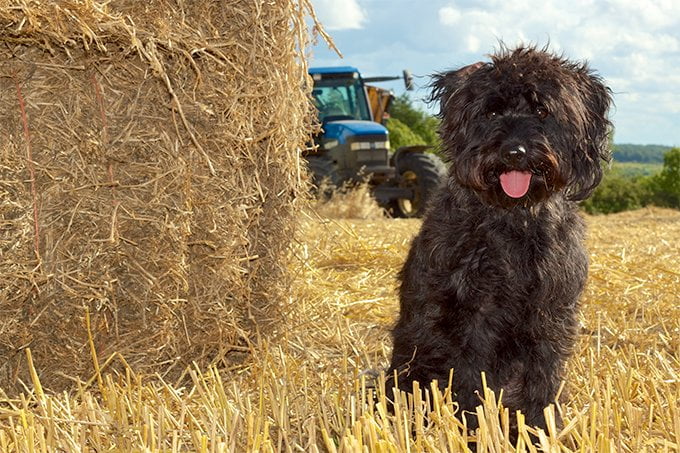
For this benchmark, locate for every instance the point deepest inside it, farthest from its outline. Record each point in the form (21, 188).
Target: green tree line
(622, 191)
(627, 152)
(636, 179)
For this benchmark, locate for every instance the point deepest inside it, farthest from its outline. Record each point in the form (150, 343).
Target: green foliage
(630, 186)
(639, 153)
(665, 186)
(402, 135)
(422, 124)
(617, 192)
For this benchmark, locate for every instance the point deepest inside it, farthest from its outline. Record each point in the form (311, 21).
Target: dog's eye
(542, 112)
(493, 114)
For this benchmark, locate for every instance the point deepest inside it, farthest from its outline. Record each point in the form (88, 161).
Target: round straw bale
(149, 172)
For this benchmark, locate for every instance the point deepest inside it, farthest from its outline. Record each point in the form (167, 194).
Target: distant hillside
(640, 153)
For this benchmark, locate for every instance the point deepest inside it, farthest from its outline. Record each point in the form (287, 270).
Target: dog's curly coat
(492, 281)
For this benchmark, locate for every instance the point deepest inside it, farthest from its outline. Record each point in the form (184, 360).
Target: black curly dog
(493, 279)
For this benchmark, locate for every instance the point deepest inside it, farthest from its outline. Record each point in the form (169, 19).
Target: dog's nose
(515, 155)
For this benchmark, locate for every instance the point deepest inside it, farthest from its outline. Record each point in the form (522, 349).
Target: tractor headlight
(330, 144)
(356, 146)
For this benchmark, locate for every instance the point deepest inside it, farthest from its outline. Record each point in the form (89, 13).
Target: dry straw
(353, 201)
(306, 388)
(148, 179)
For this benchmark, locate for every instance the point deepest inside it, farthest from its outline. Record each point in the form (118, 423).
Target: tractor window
(341, 99)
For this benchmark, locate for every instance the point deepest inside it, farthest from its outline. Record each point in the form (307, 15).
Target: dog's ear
(595, 148)
(445, 84)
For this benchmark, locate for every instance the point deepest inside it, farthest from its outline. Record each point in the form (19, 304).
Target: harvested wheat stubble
(302, 389)
(148, 174)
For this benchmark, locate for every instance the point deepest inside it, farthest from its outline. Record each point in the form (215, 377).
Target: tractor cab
(339, 94)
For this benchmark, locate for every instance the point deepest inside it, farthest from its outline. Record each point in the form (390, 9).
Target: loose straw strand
(31, 170)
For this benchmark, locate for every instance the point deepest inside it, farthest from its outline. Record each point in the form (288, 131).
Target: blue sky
(633, 44)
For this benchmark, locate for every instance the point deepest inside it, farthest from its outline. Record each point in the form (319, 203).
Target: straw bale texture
(148, 177)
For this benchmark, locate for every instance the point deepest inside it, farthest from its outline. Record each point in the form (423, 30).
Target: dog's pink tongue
(515, 183)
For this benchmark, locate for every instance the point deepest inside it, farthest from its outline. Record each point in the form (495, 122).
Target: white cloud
(449, 15)
(472, 43)
(652, 13)
(340, 14)
(589, 28)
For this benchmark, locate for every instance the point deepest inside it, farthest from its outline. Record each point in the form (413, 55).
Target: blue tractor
(354, 144)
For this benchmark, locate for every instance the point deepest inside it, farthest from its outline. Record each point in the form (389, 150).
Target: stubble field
(304, 385)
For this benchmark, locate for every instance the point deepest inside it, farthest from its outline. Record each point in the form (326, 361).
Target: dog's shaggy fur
(492, 281)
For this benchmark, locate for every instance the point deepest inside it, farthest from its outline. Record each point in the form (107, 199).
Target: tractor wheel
(422, 173)
(325, 177)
